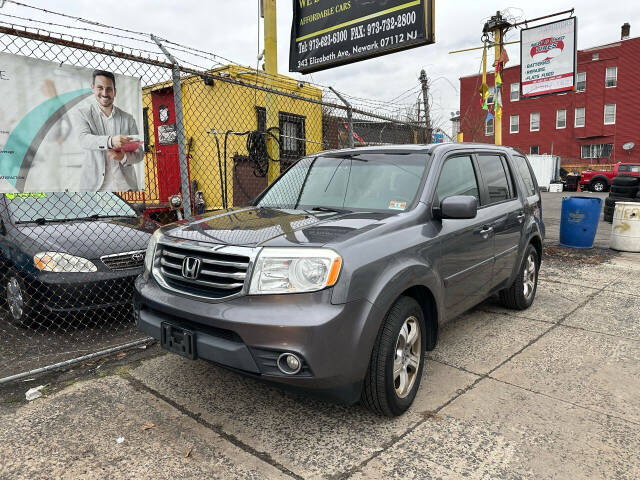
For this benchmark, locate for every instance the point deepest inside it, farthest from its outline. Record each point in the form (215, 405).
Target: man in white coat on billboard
(103, 131)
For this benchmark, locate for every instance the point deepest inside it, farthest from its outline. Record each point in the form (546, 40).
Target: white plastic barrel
(625, 231)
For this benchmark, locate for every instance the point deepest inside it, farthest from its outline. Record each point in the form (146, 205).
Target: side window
(495, 177)
(525, 173)
(458, 177)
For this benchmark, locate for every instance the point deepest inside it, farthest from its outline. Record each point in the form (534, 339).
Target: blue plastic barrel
(579, 221)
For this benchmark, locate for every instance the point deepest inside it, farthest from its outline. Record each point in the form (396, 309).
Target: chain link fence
(213, 136)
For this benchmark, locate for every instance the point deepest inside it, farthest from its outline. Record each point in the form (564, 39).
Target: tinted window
(361, 181)
(458, 178)
(525, 173)
(495, 177)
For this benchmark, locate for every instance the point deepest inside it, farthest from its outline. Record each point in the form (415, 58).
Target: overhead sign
(548, 58)
(65, 128)
(327, 33)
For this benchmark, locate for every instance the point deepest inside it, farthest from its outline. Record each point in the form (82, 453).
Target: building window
(534, 150)
(490, 98)
(599, 150)
(579, 119)
(610, 114)
(534, 122)
(561, 119)
(488, 128)
(581, 82)
(515, 92)
(514, 126)
(611, 77)
(595, 56)
(292, 136)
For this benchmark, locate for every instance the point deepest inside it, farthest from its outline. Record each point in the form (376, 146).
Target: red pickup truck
(600, 180)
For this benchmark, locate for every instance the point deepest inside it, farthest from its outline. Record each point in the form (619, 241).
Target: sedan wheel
(15, 300)
(407, 357)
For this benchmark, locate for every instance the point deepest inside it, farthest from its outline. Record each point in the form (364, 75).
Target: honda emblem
(191, 267)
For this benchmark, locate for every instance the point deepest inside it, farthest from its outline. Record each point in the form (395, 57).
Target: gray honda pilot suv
(338, 277)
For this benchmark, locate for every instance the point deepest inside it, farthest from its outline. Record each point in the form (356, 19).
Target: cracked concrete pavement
(550, 392)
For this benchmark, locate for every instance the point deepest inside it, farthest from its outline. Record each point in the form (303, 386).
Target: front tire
(397, 360)
(598, 186)
(18, 302)
(520, 295)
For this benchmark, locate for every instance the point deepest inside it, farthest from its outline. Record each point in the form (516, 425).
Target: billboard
(328, 33)
(65, 128)
(548, 58)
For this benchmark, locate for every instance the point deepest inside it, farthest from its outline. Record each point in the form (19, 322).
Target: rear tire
(520, 295)
(397, 360)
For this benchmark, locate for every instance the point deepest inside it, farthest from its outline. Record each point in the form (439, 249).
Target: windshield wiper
(97, 216)
(330, 209)
(41, 220)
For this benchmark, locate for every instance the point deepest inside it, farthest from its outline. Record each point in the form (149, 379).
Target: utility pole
(271, 100)
(425, 98)
(498, 26)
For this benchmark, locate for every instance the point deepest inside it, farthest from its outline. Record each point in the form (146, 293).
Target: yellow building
(230, 98)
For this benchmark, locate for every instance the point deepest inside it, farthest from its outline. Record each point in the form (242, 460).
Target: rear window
(629, 168)
(496, 177)
(523, 168)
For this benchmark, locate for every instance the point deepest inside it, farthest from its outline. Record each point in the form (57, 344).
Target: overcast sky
(230, 28)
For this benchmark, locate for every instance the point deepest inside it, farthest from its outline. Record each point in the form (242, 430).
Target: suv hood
(276, 227)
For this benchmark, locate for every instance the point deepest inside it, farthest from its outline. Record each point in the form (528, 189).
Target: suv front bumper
(248, 333)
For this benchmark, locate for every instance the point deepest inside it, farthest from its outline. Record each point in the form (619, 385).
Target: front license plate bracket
(178, 340)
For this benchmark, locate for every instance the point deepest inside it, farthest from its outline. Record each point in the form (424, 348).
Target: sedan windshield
(368, 181)
(58, 206)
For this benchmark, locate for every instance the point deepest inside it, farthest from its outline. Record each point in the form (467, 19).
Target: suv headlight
(62, 262)
(294, 270)
(151, 250)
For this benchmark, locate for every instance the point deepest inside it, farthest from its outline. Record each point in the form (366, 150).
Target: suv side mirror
(459, 207)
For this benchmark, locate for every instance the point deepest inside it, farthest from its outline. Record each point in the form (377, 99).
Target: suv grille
(220, 274)
(124, 261)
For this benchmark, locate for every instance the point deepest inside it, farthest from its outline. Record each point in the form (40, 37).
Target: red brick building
(586, 126)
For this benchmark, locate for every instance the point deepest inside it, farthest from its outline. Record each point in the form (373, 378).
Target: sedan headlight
(62, 262)
(294, 270)
(151, 250)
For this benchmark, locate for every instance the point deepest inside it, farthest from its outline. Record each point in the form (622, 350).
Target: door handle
(521, 217)
(486, 231)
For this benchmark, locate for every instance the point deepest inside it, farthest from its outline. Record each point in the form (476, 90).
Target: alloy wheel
(529, 277)
(15, 301)
(408, 355)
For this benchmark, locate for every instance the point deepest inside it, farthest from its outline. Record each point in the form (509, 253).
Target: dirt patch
(593, 256)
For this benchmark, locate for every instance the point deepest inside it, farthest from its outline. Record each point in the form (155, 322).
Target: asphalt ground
(550, 392)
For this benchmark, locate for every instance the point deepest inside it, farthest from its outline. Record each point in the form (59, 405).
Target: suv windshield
(368, 181)
(29, 207)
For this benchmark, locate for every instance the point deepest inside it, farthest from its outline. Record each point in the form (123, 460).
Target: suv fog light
(289, 363)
